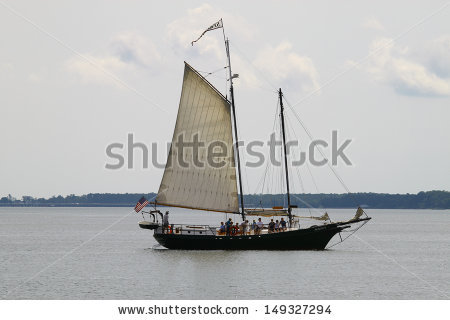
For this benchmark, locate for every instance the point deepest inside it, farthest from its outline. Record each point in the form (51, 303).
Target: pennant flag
(141, 204)
(216, 25)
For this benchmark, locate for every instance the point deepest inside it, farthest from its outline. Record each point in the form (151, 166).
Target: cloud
(127, 53)
(134, 48)
(287, 69)
(97, 70)
(279, 63)
(393, 65)
(6, 66)
(35, 78)
(374, 24)
(439, 56)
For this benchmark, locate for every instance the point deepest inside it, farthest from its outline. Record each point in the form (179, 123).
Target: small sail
(359, 213)
(203, 116)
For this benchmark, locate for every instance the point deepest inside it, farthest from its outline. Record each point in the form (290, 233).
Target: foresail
(201, 177)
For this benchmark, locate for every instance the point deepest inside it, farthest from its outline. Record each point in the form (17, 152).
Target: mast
(280, 95)
(227, 46)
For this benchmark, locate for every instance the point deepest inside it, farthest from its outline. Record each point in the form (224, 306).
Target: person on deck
(271, 226)
(228, 226)
(260, 226)
(254, 226)
(166, 221)
(277, 226)
(222, 228)
(283, 224)
(235, 229)
(244, 227)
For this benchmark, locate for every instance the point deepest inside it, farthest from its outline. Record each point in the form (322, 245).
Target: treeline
(421, 200)
(87, 200)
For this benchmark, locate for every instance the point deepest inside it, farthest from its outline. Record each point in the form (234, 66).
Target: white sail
(204, 112)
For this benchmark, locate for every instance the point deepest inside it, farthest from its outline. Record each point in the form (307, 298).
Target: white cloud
(134, 48)
(6, 66)
(374, 24)
(288, 69)
(127, 53)
(281, 64)
(392, 64)
(34, 77)
(439, 56)
(97, 70)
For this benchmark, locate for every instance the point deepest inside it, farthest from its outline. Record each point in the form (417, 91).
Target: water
(100, 253)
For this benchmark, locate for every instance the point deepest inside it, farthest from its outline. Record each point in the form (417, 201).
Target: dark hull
(315, 238)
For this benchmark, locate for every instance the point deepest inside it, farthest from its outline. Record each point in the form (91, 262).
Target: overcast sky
(76, 77)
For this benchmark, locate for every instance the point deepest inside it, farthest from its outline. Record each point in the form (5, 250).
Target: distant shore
(422, 200)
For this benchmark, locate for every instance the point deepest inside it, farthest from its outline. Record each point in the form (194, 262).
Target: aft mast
(280, 95)
(227, 47)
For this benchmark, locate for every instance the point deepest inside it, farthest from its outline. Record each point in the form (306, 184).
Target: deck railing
(185, 229)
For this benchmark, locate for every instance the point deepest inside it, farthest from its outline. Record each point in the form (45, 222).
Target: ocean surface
(101, 253)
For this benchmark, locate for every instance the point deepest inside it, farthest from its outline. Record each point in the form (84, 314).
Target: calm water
(400, 254)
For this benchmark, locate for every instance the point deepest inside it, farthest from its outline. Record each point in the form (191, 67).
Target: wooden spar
(192, 208)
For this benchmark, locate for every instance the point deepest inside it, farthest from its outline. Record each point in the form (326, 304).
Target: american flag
(141, 204)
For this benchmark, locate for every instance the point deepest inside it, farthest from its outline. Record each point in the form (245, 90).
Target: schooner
(208, 117)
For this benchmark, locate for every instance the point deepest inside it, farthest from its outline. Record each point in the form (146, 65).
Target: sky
(76, 77)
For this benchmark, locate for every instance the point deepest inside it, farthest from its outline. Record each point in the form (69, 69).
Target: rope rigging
(336, 174)
(212, 72)
(267, 178)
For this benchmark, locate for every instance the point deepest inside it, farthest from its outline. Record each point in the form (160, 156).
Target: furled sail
(201, 177)
(266, 212)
